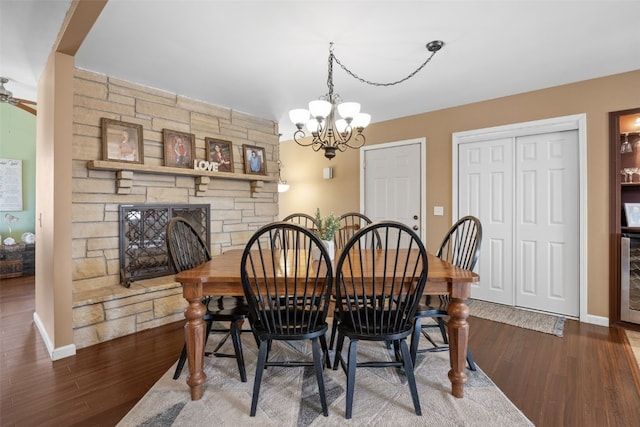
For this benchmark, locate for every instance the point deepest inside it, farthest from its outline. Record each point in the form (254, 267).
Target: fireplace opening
(143, 246)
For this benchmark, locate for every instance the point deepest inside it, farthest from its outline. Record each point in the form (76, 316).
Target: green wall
(18, 141)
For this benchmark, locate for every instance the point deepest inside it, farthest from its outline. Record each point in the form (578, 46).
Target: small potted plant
(326, 230)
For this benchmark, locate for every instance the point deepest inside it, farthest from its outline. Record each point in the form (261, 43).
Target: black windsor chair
(377, 293)
(288, 295)
(188, 250)
(460, 247)
(350, 224)
(303, 219)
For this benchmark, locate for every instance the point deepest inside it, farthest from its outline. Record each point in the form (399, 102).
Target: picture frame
(179, 148)
(122, 141)
(220, 152)
(632, 213)
(251, 165)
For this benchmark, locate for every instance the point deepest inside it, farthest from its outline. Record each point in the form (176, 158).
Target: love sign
(204, 165)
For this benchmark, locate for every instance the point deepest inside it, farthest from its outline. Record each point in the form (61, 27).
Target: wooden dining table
(221, 276)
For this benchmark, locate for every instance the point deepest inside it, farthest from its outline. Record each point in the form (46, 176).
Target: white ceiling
(266, 57)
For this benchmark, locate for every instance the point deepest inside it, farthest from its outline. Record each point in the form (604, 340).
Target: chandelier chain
(329, 133)
(355, 76)
(330, 74)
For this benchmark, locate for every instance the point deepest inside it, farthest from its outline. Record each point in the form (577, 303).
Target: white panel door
(525, 191)
(485, 191)
(392, 184)
(547, 227)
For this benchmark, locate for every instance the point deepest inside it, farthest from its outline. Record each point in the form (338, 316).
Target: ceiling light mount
(330, 133)
(7, 96)
(435, 45)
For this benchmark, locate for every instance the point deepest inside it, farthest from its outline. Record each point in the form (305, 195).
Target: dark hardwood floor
(583, 379)
(96, 387)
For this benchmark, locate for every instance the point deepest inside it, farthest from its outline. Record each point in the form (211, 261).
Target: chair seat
(301, 325)
(226, 309)
(377, 330)
(426, 310)
(292, 333)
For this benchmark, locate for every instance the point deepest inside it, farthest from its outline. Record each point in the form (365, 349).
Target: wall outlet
(438, 210)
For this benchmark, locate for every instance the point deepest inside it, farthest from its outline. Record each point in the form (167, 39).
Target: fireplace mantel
(124, 175)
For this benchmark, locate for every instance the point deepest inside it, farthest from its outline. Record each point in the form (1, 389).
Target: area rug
(522, 318)
(289, 396)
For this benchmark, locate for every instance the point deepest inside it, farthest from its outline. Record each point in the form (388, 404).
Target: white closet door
(525, 191)
(486, 191)
(547, 226)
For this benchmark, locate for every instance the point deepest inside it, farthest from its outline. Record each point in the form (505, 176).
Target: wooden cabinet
(624, 218)
(17, 260)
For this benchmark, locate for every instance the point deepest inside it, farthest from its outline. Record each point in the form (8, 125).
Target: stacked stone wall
(103, 309)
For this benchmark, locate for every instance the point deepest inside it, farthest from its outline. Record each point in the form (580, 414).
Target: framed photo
(179, 148)
(254, 160)
(121, 141)
(632, 212)
(220, 152)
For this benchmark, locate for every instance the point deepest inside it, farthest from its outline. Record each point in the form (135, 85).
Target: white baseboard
(596, 320)
(54, 353)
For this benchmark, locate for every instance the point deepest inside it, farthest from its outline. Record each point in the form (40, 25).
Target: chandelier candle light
(329, 132)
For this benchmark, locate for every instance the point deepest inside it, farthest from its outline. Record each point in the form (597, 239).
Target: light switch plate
(438, 210)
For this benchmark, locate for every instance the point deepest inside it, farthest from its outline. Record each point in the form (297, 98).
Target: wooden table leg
(194, 331)
(458, 338)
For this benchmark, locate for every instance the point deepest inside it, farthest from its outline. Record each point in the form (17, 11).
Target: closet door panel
(486, 191)
(546, 229)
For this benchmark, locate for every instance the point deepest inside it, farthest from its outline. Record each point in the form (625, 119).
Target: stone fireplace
(143, 246)
(237, 205)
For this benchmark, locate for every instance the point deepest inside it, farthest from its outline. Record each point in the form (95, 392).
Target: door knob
(415, 227)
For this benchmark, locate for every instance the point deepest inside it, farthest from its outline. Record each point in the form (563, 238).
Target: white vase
(330, 248)
(315, 252)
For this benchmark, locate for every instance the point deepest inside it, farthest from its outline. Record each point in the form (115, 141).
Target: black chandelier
(329, 132)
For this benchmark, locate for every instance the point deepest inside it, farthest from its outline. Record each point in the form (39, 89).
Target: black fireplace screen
(143, 249)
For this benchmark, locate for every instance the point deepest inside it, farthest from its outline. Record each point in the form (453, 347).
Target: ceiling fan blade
(7, 96)
(26, 101)
(27, 108)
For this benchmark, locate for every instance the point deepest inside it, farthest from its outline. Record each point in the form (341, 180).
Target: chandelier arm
(340, 139)
(433, 50)
(358, 138)
(319, 139)
(343, 147)
(317, 144)
(299, 136)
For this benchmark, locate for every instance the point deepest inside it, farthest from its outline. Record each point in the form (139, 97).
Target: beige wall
(53, 199)
(303, 170)
(597, 97)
